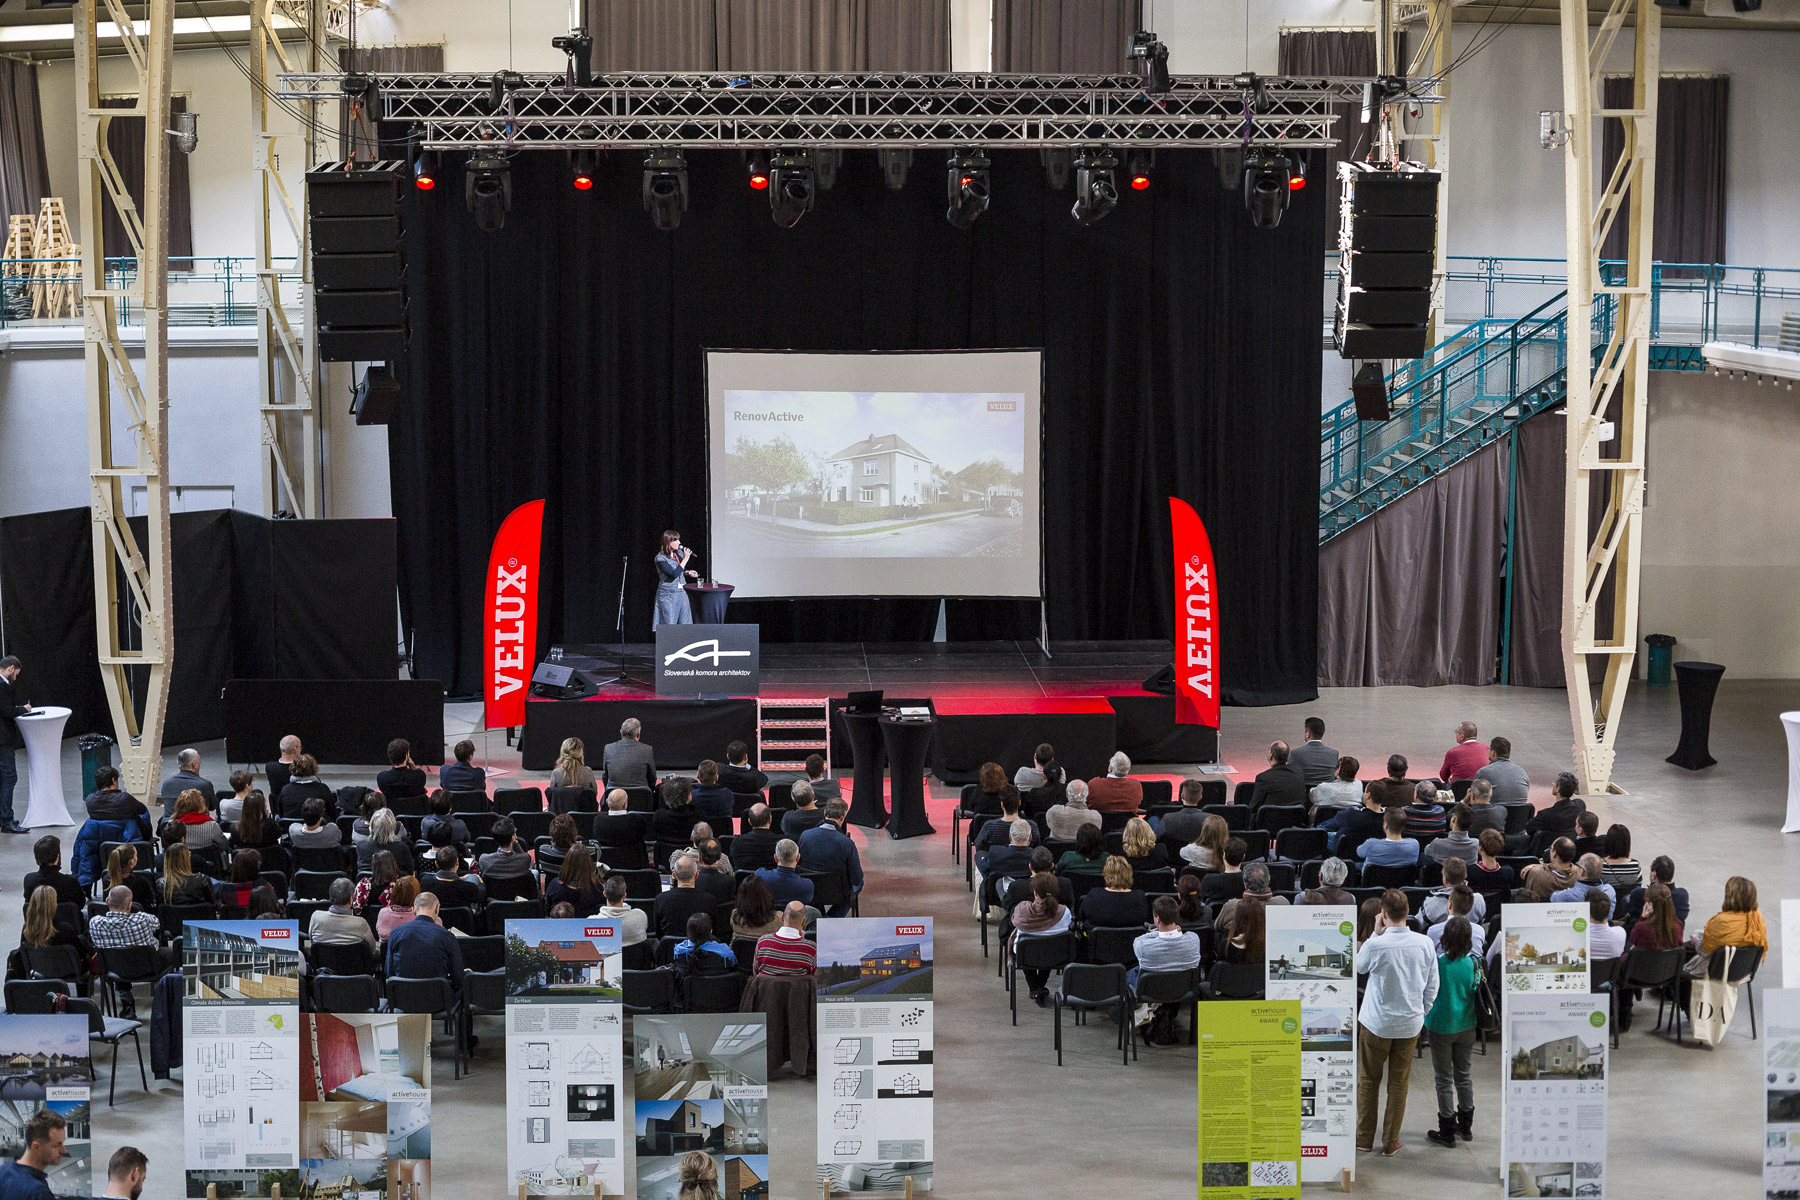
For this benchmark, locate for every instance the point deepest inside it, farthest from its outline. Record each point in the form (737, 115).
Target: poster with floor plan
(1554, 1094)
(1542, 950)
(45, 1063)
(875, 1050)
(1781, 1084)
(365, 1106)
(1311, 957)
(565, 1101)
(700, 1085)
(240, 1018)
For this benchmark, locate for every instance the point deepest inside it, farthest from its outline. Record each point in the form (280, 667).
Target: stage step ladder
(788, 729)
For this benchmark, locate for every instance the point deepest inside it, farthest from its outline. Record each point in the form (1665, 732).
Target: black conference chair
(1089, 986)
(651, 991)
(112, 1031)
(512, 801)
(714, 992)
(642, 884)
(346, 993)
(1036, 952)
(1113, 944)
(342, 958)
(1234, 981)
(498, 912)
(1170, 987)
(573, 800)
(483, 954)
(1236, 818)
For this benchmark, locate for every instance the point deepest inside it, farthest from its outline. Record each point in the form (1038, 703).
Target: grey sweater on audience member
(1159, 951)
(1316, 760)
(332, 927)
(1511, 784)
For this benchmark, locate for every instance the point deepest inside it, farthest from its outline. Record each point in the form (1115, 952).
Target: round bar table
(42, 729)
(1790, 721)
(907, 744)
(708, 603)
(1699, 682)
(866, 761)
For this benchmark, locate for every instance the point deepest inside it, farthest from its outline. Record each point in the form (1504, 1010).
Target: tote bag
(1712, 1002)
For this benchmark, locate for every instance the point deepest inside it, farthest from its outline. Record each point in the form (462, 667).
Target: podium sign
(705, 660)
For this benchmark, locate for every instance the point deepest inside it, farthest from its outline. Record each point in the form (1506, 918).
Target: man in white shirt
(1403, 982)
(634, 923)
(1605, 940)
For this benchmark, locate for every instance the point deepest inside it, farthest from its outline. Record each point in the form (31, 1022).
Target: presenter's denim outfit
(671, 601)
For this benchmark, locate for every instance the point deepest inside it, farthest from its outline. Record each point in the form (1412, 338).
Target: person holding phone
(11, 708)
(671, 572)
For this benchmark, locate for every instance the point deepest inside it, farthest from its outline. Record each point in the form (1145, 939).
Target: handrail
(203, 290)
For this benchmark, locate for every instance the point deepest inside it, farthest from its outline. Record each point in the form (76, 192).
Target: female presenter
(671, 566)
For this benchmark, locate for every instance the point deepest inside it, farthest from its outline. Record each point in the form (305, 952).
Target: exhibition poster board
(1311, 958)
(1781, 1084)
(365, 1106)
(1543, 951)
(240, 1018)
(1249, 1099)
(875, 1053)
(565, 1104)
(1790, 943)
(1555, 1095)
(700, 1085)
(45, 1062)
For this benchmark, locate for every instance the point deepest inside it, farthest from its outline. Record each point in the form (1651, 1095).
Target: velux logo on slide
(909, 931)
(274, 935)
(704, 651)
(1003, 406)
(602, 931)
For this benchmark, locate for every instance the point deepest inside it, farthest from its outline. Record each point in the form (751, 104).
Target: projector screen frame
(706, 420)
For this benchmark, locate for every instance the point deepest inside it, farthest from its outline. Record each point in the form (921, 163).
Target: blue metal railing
(202, 291)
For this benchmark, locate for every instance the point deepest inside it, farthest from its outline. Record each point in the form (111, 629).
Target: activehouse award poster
(1311, 957)
(1543, 951)
(1781, 1083)
(1249, 1099)
(45, 1062)
(1555, 1094)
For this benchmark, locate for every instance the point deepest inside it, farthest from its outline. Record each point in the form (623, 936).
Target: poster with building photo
(241, 1057)
(45, 1064)
(875, 1051)
(1781, 1084)
(565, 1105)
(1543, 950)
(1311, 958)
(1554, 1090)
(700, 1085)
(365, 1106)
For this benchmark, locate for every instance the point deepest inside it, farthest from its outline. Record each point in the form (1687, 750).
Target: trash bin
(1662, 659)
(96, 752)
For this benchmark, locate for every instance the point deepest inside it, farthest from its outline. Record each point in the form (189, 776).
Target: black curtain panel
(24, 175)
(1341, 53)
(125, 141)
(770, 35)
(333, 583)
(201, 572)
(562, 358)
(47, 596)
(1537, 590)
(1072, 37)
(1692, 114)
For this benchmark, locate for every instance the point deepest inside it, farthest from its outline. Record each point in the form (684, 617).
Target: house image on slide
(885, 961)
(880, 470)
(678, 1133)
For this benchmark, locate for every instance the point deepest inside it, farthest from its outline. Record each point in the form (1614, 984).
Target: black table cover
(1699, 683)
(907, 744)
(867, 759)
(709, 603)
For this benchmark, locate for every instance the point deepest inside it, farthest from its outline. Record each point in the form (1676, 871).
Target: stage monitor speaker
(1161, 681)
(360, 345)
(1369, 388)
(359, 269)
(557, 682)
(1387, 242)
(376, 395)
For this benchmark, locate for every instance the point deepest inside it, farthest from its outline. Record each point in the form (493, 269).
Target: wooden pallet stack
(55, 285)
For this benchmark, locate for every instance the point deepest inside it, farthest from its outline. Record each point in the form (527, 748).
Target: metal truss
(287, 365)
(459, 111)
(1431, 57)
(126, 404)
(1605, 550)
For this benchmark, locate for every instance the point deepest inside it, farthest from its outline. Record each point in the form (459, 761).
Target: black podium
(866, 760)
(907, 744)
(708, 603)
(1699, 683)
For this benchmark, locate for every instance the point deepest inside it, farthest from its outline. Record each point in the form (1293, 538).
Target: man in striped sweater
(786, 951)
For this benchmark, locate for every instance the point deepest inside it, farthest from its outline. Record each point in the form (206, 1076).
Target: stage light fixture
(1267, 185)
(1230, 162)
(665, 187)
(424, 162)
(791, 187)
(1151, 60)
(1137, 169)
(826, 162)
(1096, 192)
(967, 183)
(1056, 168)
(487, 189)
(894, 166)
(1296, 172)
(758, 164)
(584, 167)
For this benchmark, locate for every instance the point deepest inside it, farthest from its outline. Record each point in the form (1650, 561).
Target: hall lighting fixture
(1150, 58)
(583, 167)
(1268, 181)
(1137, 169)
(791, 187)
(759, 170)
(487, 188)
(894, 166)
(1296, 173)
(665, 187)
(424, 162)
(1096, 192)
(1056, 168)
(967, 183)
(826, 161)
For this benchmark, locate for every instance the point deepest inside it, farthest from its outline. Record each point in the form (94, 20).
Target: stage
(994, 701)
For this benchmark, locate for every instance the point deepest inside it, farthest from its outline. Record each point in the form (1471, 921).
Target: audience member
(1451, 1021)
(1456, 843)
(822, 789)
(403, 777)
(451, 883)
(462, 775)
(1738, 923)
(338, 924)
(1033, 776)
(1316, 762)
(1662, 870)
(187, 778)
(1426, 817)
(1041, 916)
(1207, 850)
(385, 834)
(27, 1176)
(121, 871)
(1437, 908)
(399, 908)
(1461, 903)
(1465, 759)
(113, 816)
(1256, 887)
(1656, 926)
(1166, 948)
(442, 823)
(1226, 883)
(754, 848)
(313, 830)
(1394, 849)
(1073, 813)
(231, 808)
(281, 771)
(255, 829)
(1366, 913)
(571, 770)
(699, 953)
(997, 831)
(1487, 873)
(1009, 861)
(672, 909)
(1402, 975)
(509, 860)
(577, 884)
(1392, 790)
(125, 1174)
(1332, 873)
(243, 888)
(373, 889)
(1246, 934)
(622, 831)
(1048, 794)
(806, 813)
(755, 913)
(786, 952)
(629, 762)
(737, 774)
(1188, 901)
(673, 821)
(1141, 848)
(634, 923)
(1588, 878)
(716, 879)
(199, 831)
(48, 925)
(1483, 812)
(1617, 866)
(303, 785)
(1183, 825)
(710, 798)
(1587, 834)
(372, 803)
(1118, 903)
(1088, 856)
(784, 880)
(1351, 827)
(1605, 940)
(827, 848)
(1340, 793)
(1115, 791)
(1281, 783)
(423, 949)
(47, 850)
(1510, 782)
(1542, 880)
(121, 926)
(989, 781)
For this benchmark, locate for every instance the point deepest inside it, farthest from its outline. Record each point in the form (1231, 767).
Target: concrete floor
(1010, 1123)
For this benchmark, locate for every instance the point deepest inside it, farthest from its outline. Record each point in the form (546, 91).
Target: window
(871, 466)
(866, 495)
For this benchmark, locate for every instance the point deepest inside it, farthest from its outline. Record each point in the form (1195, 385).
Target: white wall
(1721, 548)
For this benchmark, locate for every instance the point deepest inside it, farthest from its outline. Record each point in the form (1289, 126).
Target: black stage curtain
(47, 596)
(1691, 183)
(562, 358)
(125, 140)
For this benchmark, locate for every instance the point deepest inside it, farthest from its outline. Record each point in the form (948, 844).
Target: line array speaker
(359, 272)
(1387, 240)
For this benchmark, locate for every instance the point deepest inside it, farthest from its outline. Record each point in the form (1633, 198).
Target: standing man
(24, 1178)
(11, 708)
(125, 1174)
(1316, 762)
(1403, 981)
(185, 778)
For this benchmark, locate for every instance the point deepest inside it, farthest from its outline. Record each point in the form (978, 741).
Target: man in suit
(826, 847)
(710, 798)
(281, 770)
(669, 915)
(186, 777)
(1557, 821)
(462, 775)
(1183, 824)
(1282, 783)
(755, 847)
(737, 773)
(11, 708)
(403, 777)
(628, 762)
(623, 830)
(1316, 762)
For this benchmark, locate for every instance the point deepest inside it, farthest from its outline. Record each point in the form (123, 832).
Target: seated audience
(303, 785)
(673, 821)
(1246, 934)
(313, 830)
(1351, 827)
(1465, 759)
(717, 879)
(806, 813)
(1426, 817)
(199, 830)
(121, 926)
(1256, 887)
(1542, 880)
(373, 889)
(255, 828)
(563, 836)
(1459, 901)
(1587, 834)
(822, 789)
(737, 774)
(1115, 791)
(1483, 812)
(1558, 820)
(372, 803)
(338, 925)
(1487, 873)
(1332, 873)
(1048, 794)
(755, 847)
(1189, 901)
(1226, 883)
(1066, 818)
(1207, 850)
(710, 798)
(232, 807)
(281, 770)
(245, 889)
(1394, 849)
(1339, 793)
(1316, 762)
(403, 777)
(1588, 878)
(784, 881)
(578, 883)
(1168, 947)
(46, 925)
(629, 762)
(1119, 903)
(699, 953)
(462, 775)
(1617, 866)
(1392, 790)
(187, 777)
(1281, 783)
(1662, 870)
(1605, 940)
(1089, 855)
(1738, 923)
(1034, 776)
(423, 949)
(1437, 908)
(755, 913)
(997, 831)
(1044, 914)
(47, 850)
(571, 770)
(990, 779)
(442, 823)
(786, 951)
(121, 871)
(634, 923)
(451, 883)
(1656, 926)
(399, 908)
(1456, 843)
(385, 835)
(1510, 782)
(622, 831)
(670, 913)
(509, 859)
(827, 848)
(1184, 823)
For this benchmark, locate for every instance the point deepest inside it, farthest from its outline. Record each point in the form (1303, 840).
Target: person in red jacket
(1465, 758)
(1114, 792)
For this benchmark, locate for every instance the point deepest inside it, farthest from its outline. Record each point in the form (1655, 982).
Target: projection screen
(907, 474)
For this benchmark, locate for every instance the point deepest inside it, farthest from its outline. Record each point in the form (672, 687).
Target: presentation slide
(874, 474)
